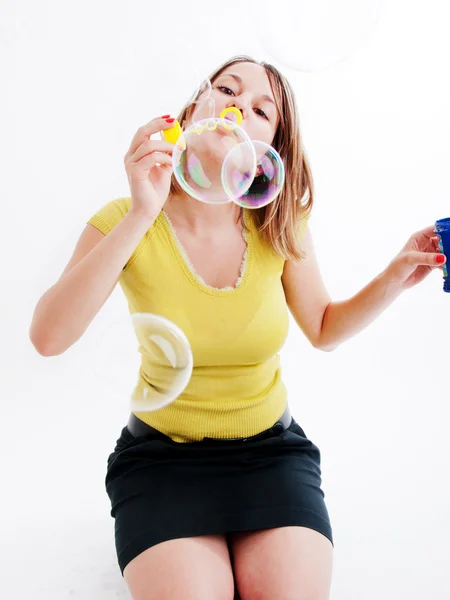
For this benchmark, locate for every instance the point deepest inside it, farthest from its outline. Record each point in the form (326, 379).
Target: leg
(284, 563)
(196, 568)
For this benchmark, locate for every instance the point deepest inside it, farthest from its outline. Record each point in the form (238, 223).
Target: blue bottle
(442, 229)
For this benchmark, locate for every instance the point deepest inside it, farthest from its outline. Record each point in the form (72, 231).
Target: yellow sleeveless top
(236, 388)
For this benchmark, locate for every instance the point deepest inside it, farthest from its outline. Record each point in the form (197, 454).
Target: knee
(258, 594)
(258, 588)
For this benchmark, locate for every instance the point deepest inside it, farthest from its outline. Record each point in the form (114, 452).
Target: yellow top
(236, 389)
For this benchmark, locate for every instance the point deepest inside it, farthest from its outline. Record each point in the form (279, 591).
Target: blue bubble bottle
(442, 229)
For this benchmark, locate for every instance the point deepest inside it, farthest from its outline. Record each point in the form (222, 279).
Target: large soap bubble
(161, 359)
(310, 35)
(267, 182)
(199, 156)
(166, 364)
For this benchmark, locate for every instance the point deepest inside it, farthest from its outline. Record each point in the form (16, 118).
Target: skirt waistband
(138, 428)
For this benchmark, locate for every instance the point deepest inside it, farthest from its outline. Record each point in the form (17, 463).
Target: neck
(198, 217)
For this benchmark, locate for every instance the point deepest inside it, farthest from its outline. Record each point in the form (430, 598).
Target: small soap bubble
(266, 182)
(205, 105)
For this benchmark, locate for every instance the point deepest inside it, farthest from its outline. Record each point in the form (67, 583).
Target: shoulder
(110, 214)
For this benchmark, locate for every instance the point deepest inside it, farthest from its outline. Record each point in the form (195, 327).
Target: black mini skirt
(161, 489)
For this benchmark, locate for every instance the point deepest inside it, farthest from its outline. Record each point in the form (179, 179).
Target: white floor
(55, 560)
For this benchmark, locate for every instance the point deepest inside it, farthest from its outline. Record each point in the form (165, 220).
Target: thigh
(284, 563)
(196, 568)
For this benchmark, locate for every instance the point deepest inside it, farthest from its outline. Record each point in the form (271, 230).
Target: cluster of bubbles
(216, 162)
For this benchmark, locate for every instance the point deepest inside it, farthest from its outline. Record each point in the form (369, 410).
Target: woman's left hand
(416, 259)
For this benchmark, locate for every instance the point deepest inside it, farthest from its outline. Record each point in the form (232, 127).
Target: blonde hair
(279, 222)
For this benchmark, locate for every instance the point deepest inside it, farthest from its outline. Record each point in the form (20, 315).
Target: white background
(77, 80)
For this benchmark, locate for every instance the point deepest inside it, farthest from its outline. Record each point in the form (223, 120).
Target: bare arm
(327, 323)
(344, 319)
(65, 310)
(306, 294)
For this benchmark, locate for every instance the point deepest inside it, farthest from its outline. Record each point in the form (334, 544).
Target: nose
(242, 103)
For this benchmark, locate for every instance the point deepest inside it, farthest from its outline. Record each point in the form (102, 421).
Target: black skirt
(161, 490)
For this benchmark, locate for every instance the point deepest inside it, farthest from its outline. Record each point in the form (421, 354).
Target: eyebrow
(239, 80)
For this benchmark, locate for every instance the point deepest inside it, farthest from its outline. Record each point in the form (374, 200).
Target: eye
(262, 114)
(225, 90)
(223, 87)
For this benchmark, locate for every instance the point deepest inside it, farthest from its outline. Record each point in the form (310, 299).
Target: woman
(218, 494)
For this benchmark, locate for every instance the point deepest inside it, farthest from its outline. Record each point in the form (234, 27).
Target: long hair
(279, 222)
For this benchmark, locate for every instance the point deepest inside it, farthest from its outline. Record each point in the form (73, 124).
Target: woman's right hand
(148, 164)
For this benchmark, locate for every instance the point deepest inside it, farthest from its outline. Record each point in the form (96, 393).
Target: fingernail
(440, 258)
(165, 116)
(170, 120)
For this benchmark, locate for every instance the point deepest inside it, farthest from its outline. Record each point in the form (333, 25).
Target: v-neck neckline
(186, 264)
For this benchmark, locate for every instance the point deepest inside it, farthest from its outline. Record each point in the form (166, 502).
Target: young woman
(218, 495)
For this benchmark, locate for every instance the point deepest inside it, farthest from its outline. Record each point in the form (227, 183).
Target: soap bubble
(310, 35)
(205, 104)
(147, 352)
(166, 362)
(200, 153)
(267, 182)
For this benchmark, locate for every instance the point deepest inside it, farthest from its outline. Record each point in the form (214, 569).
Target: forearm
(66, 309)
(344, 319)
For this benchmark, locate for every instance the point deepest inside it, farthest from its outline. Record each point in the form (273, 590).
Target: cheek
(219, 98)
(259, 132)
(267, 134)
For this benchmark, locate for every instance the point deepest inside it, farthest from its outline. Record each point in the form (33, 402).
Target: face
(247, 87)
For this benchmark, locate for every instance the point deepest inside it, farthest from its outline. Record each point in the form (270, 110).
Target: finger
(427, 231)
(148, 161)
(429, 259)
(148, 147)
(152, 146)
(145, 132)
(435, 241)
